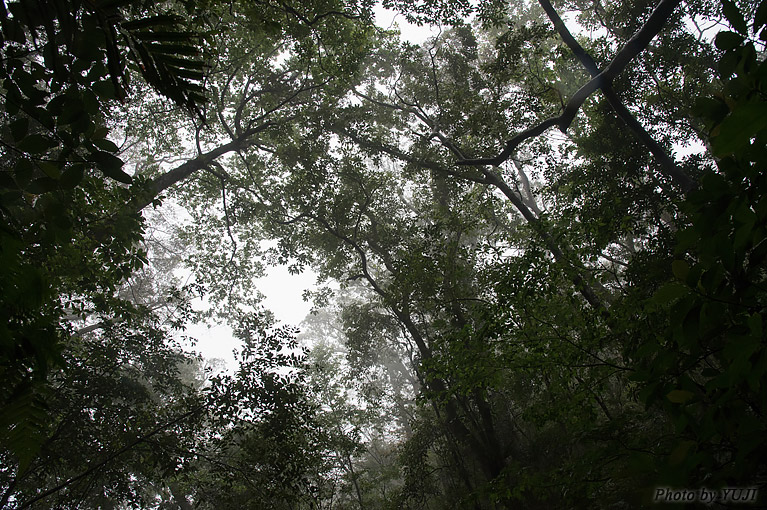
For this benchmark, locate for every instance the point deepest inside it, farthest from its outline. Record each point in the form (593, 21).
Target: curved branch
(602, 80)
(668, 166)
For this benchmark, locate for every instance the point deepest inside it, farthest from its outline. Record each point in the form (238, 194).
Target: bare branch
(221, 174)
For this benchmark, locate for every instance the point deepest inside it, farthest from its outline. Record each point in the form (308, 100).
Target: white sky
(284, 297)
(411, 33)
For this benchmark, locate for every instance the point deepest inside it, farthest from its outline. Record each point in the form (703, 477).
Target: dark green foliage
(64, 231)
(571, 328)
(708, 368)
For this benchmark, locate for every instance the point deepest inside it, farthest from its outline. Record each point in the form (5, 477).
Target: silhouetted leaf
(42, 185)
(19, 128)
(111, 166)
(71, 176)
(728, 40)
(734, 16)
(737, 130)
(36, 144)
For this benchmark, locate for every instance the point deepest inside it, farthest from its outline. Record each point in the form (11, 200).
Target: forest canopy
(540, 241)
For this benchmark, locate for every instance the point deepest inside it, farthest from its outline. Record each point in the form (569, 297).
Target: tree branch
(221, 174)
(109, 458)
(603, 79)
(668, 166)
(181, 172)
(395, 152)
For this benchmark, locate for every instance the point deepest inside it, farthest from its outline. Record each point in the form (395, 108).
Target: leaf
(101, 132)
(13, 99)
(26, 83)
(197, 98)
(728, 40)
(23, 172)
(186, 73)
(6, 181)
(22, 422)
(728, 63)
(52, 170)
(668, 294)
(72, 176)
(73, 109)
(736, 131)
(56, 105)
(104, 89)
(19, 128)
(42, 185)
(152, 21)
(679, 396)
(35, 144)
(180, 62)
(646, 395)
(164, 36)
(111, 166)
(760, 18)
(734, 16)
(105, 145)
(11, 198)
(743, 235)
(13, 30)
(173, 49)
(681, 269)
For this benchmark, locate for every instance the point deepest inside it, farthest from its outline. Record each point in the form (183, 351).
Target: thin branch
(395, 152)
(221, 174)
(109, 458)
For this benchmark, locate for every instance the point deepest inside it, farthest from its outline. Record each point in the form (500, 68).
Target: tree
(599, 242)
(606, 246)
(65, 243)
(709, 381)
(546, 320)
(71, 234)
